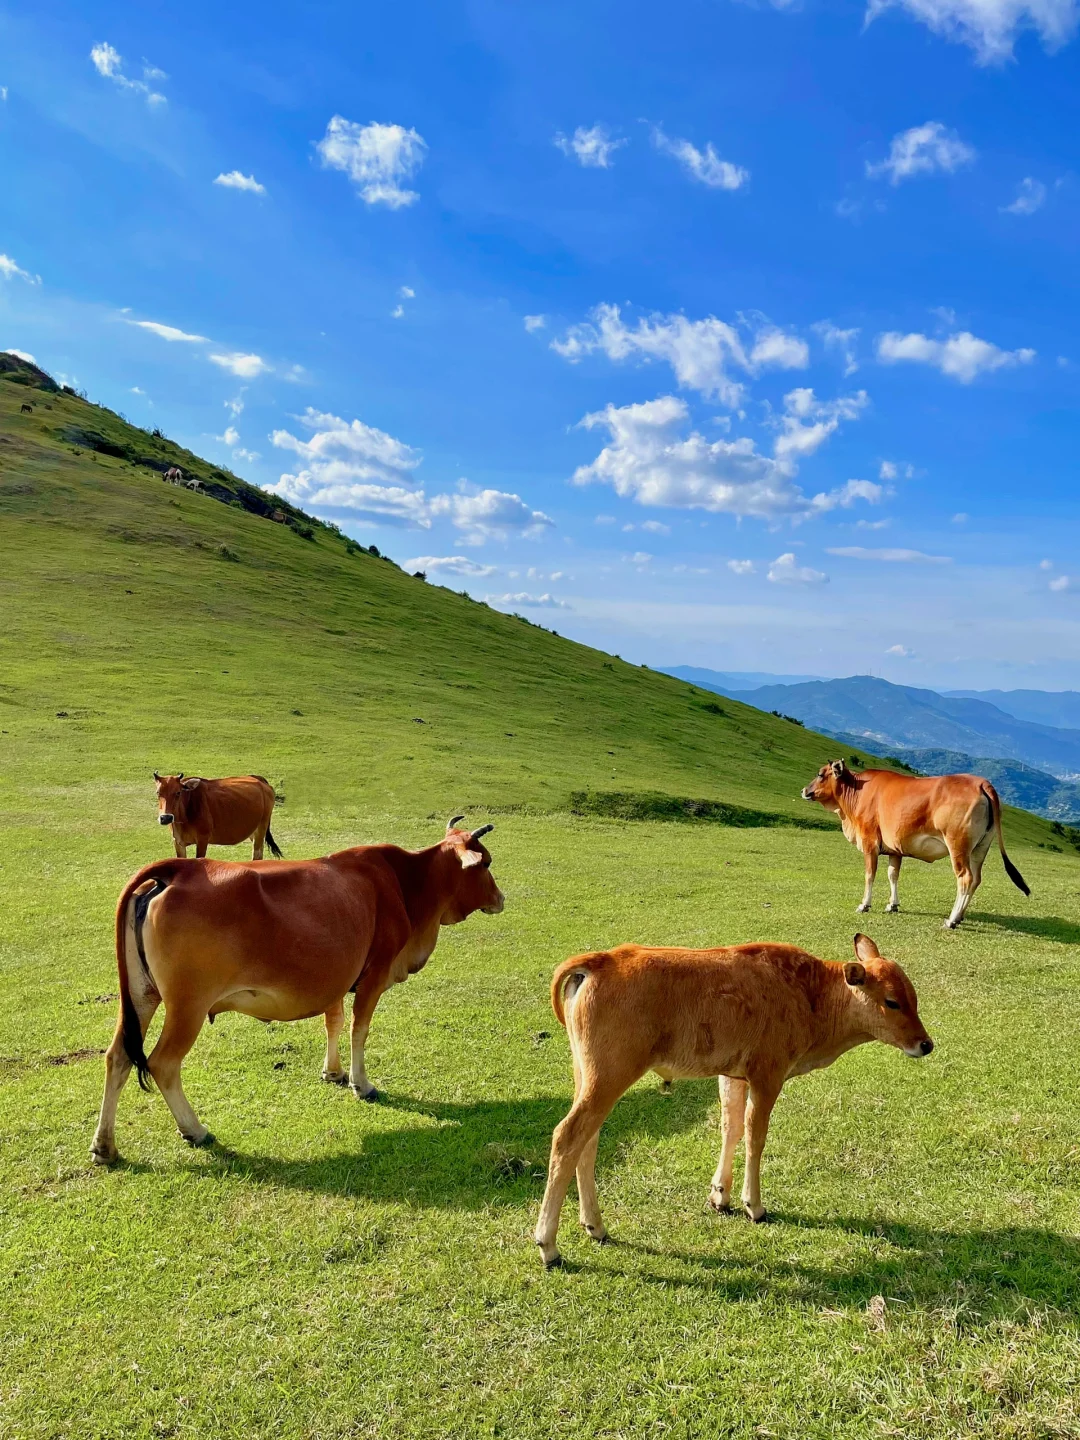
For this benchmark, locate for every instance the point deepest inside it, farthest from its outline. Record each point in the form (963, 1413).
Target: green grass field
(331, 1269)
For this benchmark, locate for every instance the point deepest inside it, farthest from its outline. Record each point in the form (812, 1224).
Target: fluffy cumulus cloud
(592, 147)
(235, 180)
(990, 27)
(245, 367)
(653, 459)
(923, 150)
(705, 166)
(449, 565)
(1030, 196)
(702, 353)
(10, 271)
(963, 356)
(890, 557)
(168, 332)
(808, 422)
(378, 159)
(786, 570)
(20, 355)
(349, 466)
(535, 322)
(840, 341)
(900, 651)
(109, 64)
(533, 602)
(741, 567)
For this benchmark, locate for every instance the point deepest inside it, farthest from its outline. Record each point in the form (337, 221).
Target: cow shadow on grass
(1043, 927)
(450, 1156)
(964, 1276)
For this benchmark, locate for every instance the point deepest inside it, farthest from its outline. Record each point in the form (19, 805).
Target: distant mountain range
(899, 720)
(735, 679)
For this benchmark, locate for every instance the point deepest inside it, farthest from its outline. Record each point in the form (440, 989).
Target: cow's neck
(423, 896)
(841, 1023)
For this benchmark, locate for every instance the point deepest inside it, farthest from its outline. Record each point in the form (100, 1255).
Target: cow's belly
(265, 1003)
(926, 846)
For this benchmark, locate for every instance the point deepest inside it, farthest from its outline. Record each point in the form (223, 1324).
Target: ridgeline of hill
(149, 627)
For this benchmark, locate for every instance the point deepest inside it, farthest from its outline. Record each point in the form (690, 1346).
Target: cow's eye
(893, 1004)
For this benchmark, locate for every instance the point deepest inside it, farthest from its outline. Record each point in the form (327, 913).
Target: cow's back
(903, 808)
(235, 808)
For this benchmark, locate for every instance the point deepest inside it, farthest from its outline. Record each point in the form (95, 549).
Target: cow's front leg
(368, 989)
(894, 883)
(178, 844)
(335, 1023)
(871, 859)
(762, 1100)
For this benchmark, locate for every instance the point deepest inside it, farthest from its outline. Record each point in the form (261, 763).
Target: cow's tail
(1010, 869)
(133, 904)
(273, 845)
(577, 969)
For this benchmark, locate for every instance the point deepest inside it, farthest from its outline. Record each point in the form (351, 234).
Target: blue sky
(737, 335)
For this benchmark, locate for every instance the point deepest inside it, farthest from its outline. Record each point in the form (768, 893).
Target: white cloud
(741, 567)
(3, 94)
(785, 570)
(1030, 195)
(656, 527)
(808, 422)
(702, 165)
(963, 356)
(10, 271)
(21, 355)
(451, 564)
(592, 147)
(234, 180)
(1043, 564)
(231, 436)
(700, 352)
(377, 159)
(245, 367)
(522, 597)
(491, 515)
(843, 340)
(651, 460)
(872, 524)
(890, 469)
(1063, 582)
(109, 64)
(901, 651)
(960, 518)
(640, 558)
(535, 322)
(397, 312)
(235, 407)
(241, 454)
(407, 292)
(898, 557)
(168, 332)
(922, 150)
(990, 27)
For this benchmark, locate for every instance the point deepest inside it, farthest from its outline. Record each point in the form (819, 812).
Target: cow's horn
(156, 775)
(452, 822)
(476, 834)
(181, 775)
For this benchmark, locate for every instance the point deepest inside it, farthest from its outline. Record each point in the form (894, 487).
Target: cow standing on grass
(279, 942)
(173, 476)
(217, 812)
(753, 1014)
(926, 818)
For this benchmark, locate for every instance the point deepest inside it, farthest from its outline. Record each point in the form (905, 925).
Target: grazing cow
(753, 1014)
(217, 812)
(194, 484)
(883, 813)
(173, 476)
(279, 942)
(26, 408)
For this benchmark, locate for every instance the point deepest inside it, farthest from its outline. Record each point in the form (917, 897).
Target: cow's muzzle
(805, 793)
(922, 1048)
(164, 819)
(498, 907)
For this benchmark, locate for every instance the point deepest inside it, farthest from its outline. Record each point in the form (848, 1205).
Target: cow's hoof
(596, 1232)
(100, 1156)
(757, 1213)
(335, 1077)
(950, 924)
(862, 909)
(551, 1258)
(369, 1095)
(199, 1142)
(665, 1087)
(892, 909)
(718, 1201)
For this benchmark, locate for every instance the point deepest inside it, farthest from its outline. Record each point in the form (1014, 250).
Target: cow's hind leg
(258, 840)
(965, 886)
(588, 1200)
(894, 884)
(178, 1035)
(732, 1121)
(870, 858)
(568, 1143)
(117, 1069)
(335, 1023)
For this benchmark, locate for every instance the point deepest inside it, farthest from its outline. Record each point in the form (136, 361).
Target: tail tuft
(1014, 875)
(995, 813)
(273, 845)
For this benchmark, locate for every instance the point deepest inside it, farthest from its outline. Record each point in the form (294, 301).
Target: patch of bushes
(1069, 833)
(789, 718)
(712, 708)
(225, 553)
(653, 805)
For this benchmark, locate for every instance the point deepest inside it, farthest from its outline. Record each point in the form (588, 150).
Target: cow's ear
(156, 775)
(865, 949)
(190, 784)
(854, 973)
(469, 858)
(838, 767)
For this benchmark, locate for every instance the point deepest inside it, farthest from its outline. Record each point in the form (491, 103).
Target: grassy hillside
(335, 1270)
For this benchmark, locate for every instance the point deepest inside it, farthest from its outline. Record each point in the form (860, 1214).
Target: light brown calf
(926, 818)
(217, 812)
(752, 1014)
(282, 941)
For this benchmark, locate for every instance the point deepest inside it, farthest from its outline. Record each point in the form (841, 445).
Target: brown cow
(217, 812)
(173, 475)
(753, 1014)
(926, 818)
(279, 942)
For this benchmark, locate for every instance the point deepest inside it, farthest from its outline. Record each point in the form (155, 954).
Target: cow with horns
(278, 941)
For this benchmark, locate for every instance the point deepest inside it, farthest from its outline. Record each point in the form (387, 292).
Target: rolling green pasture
(331, 1269)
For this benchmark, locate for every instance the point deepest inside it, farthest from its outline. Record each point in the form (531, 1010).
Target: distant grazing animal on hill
(26, 409)
(173, 476)
(217, 812)
(194, 484)
(755, 1015)
(883, 813)
(278, 942)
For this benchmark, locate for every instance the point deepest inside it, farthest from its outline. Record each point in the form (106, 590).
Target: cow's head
(889, 1005)
(177, 798)
(828, 785)
(472, 884)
